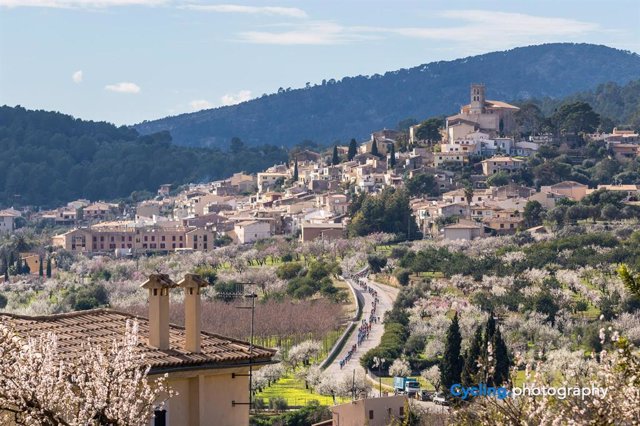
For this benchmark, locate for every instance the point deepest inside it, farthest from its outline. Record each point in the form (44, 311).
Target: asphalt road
(386, 296)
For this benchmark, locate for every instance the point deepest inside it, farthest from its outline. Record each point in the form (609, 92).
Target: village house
(632, 191)
(568, 188)
(209, 372)
(8, 220)
(504, 221)
(494, 165)
(267, 180)
(464, 230)
(444, 158)
(323, 231)
(381, 411)
(132, 237)
(249, 231)
(100, 211)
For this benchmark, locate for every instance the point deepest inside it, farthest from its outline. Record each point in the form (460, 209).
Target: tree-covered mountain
(355, 106)
(48, 158)
(616, 103)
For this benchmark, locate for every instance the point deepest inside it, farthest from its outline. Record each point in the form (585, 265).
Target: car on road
(425, 395)
(439, 399)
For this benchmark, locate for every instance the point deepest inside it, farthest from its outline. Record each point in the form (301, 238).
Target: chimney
(192, 284)
(159, 286)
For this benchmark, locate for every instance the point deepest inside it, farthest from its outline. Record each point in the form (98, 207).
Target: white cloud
(77, 77)
(471, 28)
(123, 87)
(199, 104)
(311, 33)
(291, 12)
(236, 98)
(74, 4)
(489, 27)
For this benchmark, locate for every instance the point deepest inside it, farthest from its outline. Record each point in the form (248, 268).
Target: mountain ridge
(355, 106)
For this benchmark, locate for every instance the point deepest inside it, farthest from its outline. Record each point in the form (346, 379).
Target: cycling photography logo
(501, 392)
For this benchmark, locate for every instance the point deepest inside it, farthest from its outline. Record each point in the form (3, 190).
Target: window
(204, 246)
(153, 238)
(370, 414)
(195, 238)
(502, 225)
(173, 238)
(162, 238)
(146, 238)
(162, 245)
(401, 411)
(160, 418)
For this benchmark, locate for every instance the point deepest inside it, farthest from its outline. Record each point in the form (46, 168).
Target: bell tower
(477, 99)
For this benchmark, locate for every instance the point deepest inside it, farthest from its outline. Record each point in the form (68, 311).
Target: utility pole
(253, 296)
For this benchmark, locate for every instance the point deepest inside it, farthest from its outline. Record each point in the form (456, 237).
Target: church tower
(477, 99)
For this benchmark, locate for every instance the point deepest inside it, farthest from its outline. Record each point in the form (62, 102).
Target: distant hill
(48, 158)
(619, 103)
(356, 106)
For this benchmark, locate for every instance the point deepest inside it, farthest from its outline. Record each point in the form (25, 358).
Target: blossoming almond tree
(102, 386)
(617, 371)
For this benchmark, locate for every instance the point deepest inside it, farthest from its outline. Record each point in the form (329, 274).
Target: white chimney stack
(159, 286)
(192, 284)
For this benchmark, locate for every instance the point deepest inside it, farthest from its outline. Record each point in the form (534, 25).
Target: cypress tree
(295, 171)
(353, 149)
(335, 159)
(392, 157)
(25, 270)
(49, 267)
(40, 267)
(502, 362)
(489, 331)
(451, 363)
(470, 370)
(374, 148)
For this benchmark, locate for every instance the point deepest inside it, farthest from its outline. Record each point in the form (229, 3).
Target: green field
(294, 392)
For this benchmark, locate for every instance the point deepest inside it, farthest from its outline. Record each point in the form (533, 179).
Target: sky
(126, 61)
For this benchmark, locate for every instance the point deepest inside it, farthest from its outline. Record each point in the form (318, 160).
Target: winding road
(386, 296)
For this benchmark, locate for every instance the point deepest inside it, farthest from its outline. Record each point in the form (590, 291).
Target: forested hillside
(618, 103)
(355, 106)
(48, 158)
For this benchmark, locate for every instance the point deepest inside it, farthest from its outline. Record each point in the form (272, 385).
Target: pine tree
(353, 149)
(335, 159)
(502, 362)
(295, 171)
(49, 267)
(374, 148)
(473, 354)
(452, 363)
(392, 157)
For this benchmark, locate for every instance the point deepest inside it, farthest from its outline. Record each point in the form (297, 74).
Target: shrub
(376, 263)
(402, 275)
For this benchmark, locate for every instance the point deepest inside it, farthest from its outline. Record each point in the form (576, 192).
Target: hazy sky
(129, 60)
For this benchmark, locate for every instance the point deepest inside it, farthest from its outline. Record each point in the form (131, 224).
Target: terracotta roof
(102, 326)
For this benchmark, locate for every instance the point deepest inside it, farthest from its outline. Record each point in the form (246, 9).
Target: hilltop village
(467, 179)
